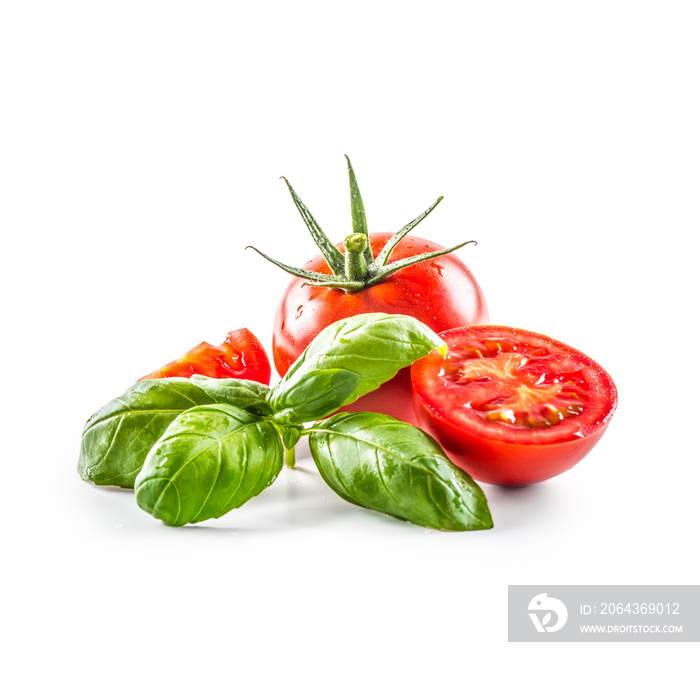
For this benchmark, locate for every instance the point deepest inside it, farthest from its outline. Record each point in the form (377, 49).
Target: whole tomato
(390, 273)
(442, 293)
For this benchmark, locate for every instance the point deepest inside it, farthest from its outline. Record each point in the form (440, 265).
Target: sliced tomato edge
(258, 353)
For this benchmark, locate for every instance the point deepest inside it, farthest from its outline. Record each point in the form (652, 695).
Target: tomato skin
(502, 463)
(442, 293)
(525, 456)
(240, 356)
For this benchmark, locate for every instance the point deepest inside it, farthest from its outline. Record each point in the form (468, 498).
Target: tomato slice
(240, 356)
(510, 406)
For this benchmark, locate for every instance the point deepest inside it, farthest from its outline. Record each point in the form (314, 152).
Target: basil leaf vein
(210, 460)
(311, 395)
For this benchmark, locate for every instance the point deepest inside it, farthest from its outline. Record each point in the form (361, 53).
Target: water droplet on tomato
(299, 312)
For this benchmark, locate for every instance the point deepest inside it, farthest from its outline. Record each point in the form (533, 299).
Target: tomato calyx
(357, 268)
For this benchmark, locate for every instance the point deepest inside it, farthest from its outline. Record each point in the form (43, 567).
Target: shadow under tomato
(514, 506)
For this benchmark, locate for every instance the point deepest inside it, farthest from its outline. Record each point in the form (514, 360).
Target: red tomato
(442, 293)
(240, 356)
(512, 407)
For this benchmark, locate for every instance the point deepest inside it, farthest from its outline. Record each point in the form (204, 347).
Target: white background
(141, 146)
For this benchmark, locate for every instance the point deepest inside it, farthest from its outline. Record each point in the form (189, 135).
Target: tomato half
(442, 293)
(240, 356)
(512, 407)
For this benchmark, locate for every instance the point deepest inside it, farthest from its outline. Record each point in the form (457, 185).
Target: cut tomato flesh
(510, 387)
(240, 356)
(512, 407)
(506, 382)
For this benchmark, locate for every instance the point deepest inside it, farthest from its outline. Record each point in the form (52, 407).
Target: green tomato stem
(356, 269)
(359, 218)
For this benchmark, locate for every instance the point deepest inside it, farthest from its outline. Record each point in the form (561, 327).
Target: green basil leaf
(383, 464)
(251, 396)
(210, 460)
(375, 346)
(311, 395)
(118, 437)
(291, 436)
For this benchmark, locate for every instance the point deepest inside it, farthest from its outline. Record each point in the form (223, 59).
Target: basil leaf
(311, 395)
(243, 393)
(383, 464)
(118, 437)
(210, 460)
(375, 346)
